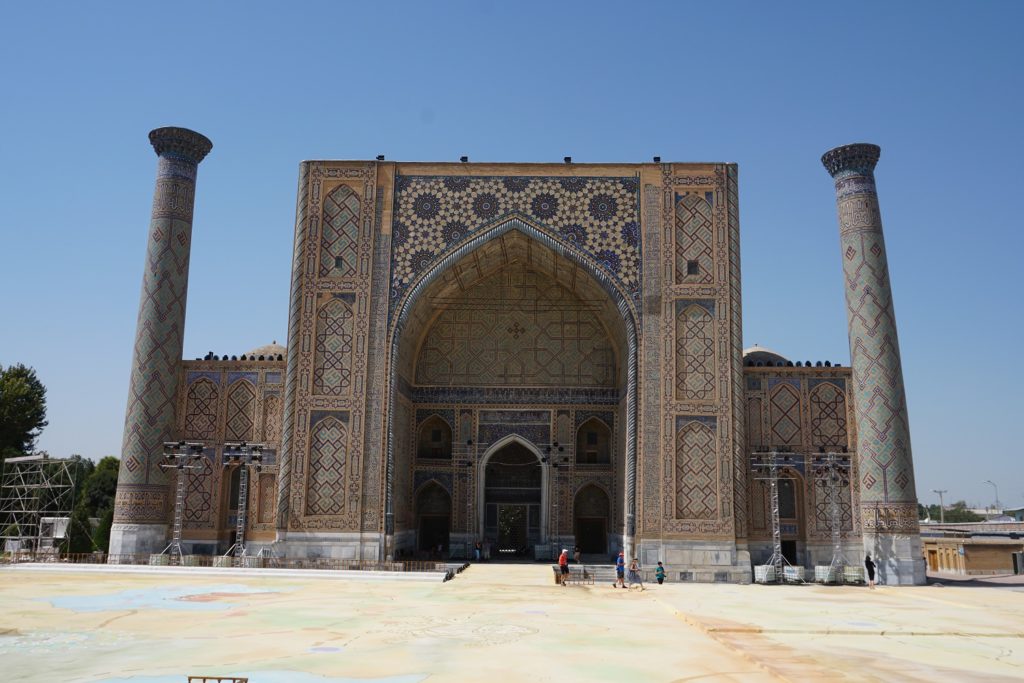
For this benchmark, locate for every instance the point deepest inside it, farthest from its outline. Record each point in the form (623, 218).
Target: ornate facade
(533, 355)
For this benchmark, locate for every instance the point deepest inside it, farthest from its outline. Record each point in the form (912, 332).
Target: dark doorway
(433, 514)
(789, 551)
(591, 535)
(433, 533)
(590, 512)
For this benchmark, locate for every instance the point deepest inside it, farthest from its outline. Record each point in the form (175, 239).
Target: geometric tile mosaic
(599, 216)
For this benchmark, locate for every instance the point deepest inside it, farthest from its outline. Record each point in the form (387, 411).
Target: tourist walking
(620, 571)
(563, 566)
(634, 574)
(869, 567)
(576, 554)
(659, 573)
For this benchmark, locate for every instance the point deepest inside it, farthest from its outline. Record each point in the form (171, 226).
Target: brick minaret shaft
(141, 506)
(888, 497)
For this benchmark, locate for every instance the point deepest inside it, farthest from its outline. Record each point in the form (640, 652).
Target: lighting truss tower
(246, 456)
(182, 457)
(832, 472)
(765, 464)
(37, 497)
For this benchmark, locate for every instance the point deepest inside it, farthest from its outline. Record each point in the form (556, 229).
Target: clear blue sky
(768, 85)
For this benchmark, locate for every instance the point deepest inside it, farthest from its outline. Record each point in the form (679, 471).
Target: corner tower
(888, 496)
(141, 504)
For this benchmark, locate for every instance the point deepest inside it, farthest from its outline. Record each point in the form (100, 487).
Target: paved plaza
(497, 623)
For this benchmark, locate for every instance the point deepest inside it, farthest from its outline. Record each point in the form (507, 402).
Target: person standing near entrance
(869, 567)
(576, 554)
(634, 574)
(620, 571)
(563, 566)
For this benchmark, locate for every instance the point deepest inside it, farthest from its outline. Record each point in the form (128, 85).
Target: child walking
(659, 573)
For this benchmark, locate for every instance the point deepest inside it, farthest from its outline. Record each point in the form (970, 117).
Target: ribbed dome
(756, 354)
(271, 350)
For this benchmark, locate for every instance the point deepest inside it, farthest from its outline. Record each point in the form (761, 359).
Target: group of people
(634, 576)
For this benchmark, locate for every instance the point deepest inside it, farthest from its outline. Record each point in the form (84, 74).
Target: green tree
(957, 512)
(95, 500)
(22, 410)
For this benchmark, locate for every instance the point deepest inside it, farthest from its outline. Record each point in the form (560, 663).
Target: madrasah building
(528, 355)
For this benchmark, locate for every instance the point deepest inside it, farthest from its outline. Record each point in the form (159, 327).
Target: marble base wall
(131, 539)
(698, 561)
(899, 560)
(809, 555)
(334, 546)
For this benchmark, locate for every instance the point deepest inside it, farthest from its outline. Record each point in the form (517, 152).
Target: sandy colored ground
(496, 623)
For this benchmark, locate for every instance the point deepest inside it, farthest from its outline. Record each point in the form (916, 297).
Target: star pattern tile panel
(599, 216)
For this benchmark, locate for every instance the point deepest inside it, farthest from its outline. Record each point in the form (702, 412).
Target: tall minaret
(141, 506)
(888, 498)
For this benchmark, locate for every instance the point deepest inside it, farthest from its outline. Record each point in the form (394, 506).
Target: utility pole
(994, 486)
(942, 506)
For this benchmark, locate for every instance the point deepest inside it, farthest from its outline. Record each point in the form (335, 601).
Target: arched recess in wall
(696, 471)
(332, 363)
(593, 443)
(338, 255)
(241, 412)
(695, 354)
(201, 410)
(785, 415)
(328, 454)
(435, 439)
(433, 510)
(591, 512)
(828, 416)
(561, 248)
(694, 238)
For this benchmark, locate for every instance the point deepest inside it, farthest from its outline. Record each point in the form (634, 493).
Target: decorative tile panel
(597, 215)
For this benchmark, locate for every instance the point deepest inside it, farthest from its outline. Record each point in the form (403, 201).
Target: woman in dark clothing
(870, 567)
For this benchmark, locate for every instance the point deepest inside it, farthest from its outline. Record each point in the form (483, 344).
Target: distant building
(972, 549)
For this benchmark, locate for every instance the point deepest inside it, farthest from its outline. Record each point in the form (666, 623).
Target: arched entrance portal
(512, 338)
(433, 519)
(591, 512)
(513, 500)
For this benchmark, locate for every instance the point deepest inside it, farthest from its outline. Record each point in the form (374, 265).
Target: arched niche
(433, 519)
(513, 493)
(511, 254)
(594, 443)
(435, 439)
(591, 512)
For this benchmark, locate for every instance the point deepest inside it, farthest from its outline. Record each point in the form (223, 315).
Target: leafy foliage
(957, 512)
(22, 410)
(94, 500)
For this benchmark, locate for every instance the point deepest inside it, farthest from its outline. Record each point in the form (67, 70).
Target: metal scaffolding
(37, 497)
(765, 464)
(832, 472)
(183, 457)
(243, 455)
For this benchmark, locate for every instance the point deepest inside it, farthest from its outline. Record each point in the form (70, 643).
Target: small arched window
(593, 443)
(435, 442)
